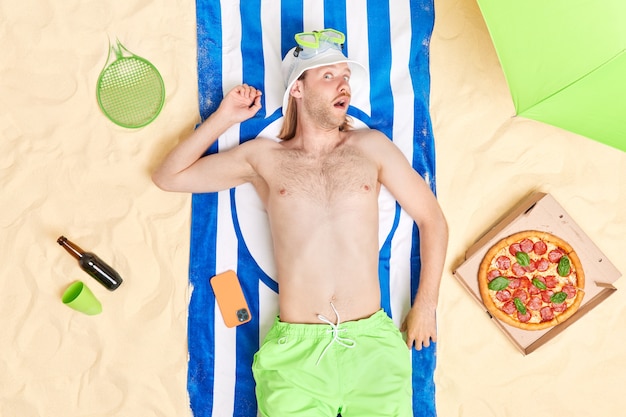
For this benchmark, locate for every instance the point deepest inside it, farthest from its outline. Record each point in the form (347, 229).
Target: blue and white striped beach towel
(244, 41)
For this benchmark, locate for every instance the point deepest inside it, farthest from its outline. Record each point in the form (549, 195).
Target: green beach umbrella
(564, 62)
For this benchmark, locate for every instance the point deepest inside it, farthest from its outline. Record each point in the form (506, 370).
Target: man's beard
(322, 111)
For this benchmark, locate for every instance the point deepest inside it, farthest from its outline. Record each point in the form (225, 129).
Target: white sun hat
(318, 49)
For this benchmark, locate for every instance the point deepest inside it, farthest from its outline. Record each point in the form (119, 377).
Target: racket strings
(131, 92)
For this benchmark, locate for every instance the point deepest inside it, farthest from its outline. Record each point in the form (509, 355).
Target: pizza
(531, 280)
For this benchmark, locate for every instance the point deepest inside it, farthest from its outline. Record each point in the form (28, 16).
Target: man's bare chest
(340, 175)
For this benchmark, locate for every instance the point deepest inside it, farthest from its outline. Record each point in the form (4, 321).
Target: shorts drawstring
(343, 341)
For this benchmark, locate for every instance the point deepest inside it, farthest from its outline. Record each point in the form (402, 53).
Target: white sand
(66, 169)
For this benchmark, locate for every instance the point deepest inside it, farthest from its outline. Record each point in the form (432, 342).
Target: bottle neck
(70, 247)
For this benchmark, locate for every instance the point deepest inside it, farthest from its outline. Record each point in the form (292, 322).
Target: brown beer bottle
(92, 265)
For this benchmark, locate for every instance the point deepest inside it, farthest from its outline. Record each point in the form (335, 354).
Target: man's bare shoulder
(381, 150)
(370, 141)
(367, 137)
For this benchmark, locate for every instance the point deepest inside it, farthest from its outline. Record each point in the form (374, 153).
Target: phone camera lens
(243, 315)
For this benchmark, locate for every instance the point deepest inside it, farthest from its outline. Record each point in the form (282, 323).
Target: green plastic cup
(79, 297)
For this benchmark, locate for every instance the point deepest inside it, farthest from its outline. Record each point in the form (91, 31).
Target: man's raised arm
(184, 169)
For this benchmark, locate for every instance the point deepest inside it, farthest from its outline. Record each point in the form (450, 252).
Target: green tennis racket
(130, 89)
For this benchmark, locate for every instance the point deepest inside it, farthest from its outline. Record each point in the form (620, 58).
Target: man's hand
(420, 326)
(241, 103)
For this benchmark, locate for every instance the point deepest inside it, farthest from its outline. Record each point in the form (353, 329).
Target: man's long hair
(290, 121)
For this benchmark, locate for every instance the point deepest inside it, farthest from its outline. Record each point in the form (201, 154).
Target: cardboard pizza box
(540, 211)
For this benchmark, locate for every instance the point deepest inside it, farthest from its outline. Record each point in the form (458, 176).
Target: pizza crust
(501, 248)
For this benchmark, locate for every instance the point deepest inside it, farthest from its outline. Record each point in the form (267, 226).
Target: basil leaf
(519, 305)
(537, 283)
(498, 283)
(558, 297)
(564, 266)
(522, 258)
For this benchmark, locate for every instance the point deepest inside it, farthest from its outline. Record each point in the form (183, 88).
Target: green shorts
(363, 368)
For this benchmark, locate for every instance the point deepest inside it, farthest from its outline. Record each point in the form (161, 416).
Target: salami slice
(547, 313)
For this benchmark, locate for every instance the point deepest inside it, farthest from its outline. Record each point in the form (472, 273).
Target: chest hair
(342, 173)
